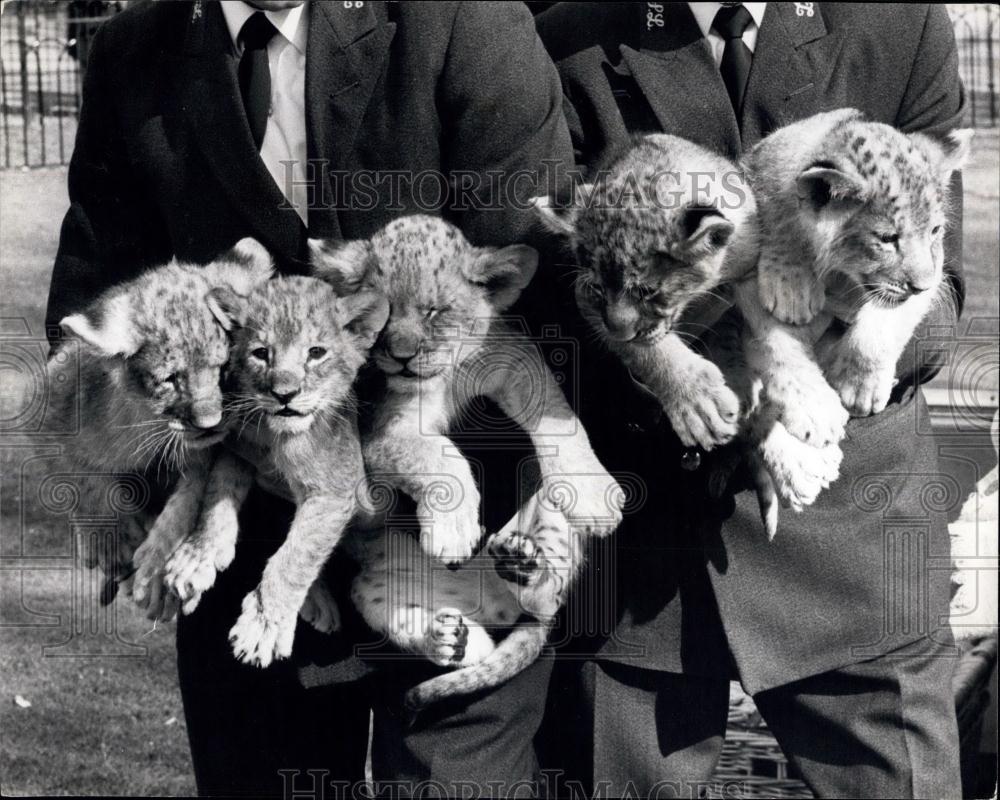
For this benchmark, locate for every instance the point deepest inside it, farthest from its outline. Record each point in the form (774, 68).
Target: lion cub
(853, 215)
(147, 392)
(445, 345)
(296, 349)
(663, 226)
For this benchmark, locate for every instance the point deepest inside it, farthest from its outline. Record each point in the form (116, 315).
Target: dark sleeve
(935, 103)
(108, 233)
(551, 26)
(576, 134)
(503, 112)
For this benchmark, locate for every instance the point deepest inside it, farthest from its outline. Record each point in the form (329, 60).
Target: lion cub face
(652, 234)
(440, 289)
(296, 349)
(157, 337)
(876, 201)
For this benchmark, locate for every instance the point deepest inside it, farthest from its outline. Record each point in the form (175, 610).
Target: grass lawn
(111, 723)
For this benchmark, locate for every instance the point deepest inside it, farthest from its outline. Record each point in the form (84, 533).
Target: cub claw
(799, 471)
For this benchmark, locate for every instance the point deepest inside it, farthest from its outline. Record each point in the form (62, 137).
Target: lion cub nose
(284, 397)
(205, 420)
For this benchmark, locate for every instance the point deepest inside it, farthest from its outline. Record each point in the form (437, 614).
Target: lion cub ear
(106, 326)
(344, 265)
(364, 315)
(706, 230)
(955, 149)
(824, 182)
(228, 307)
(245, 266)
(562, 220)
(504, 272)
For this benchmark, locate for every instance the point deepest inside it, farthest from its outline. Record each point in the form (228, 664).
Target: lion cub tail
(520, 649)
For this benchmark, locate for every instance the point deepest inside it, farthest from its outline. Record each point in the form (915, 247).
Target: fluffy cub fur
(662, 226)
(454, 617)
(296, 349)
(445, 345)
(147, 393)
(853, 215)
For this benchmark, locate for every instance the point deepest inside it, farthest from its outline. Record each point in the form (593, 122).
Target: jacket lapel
(676, 72)
(792, 62)
(206, 83)
(344, 56)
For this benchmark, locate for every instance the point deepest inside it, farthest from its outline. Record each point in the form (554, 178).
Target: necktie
(730, 23)
(255, 74)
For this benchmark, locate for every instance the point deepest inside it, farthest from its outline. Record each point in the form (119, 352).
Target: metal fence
(44, 46)
(977, 33)
(43, 54)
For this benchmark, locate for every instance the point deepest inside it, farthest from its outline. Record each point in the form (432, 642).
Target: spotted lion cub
(663, 225)
(148, 394)
(296, 349)
(853, 214)
(443, 346)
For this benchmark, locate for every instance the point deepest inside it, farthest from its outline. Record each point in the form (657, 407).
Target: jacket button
(691, 459)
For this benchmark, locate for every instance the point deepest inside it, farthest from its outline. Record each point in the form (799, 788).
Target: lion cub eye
(259, 353)
(935, 230)
(431, 312)
(888, 238)
(316, 353)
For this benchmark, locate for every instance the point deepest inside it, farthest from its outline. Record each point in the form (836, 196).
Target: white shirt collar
(292, 23)
(704, 14)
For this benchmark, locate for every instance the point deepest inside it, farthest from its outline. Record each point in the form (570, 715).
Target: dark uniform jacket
(863, 571)
(164, 164)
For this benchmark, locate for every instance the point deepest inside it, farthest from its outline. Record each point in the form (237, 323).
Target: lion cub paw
(793, 299)
(800, 471)
(588, 496)
(516, 558)
(810, 409)
(864, 387)
(450, 534)
(193, 567)
(148, 589)
(257, 638)
(702, 409)
(450, 642)
(320, 609)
